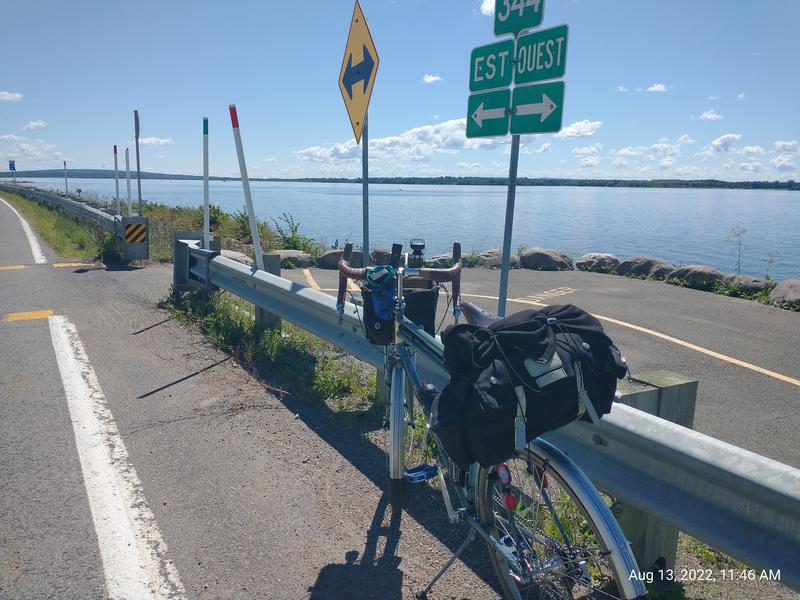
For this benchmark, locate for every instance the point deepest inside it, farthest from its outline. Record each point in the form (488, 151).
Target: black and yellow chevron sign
(136, 233)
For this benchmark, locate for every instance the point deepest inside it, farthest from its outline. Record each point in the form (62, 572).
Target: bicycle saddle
(477, 316)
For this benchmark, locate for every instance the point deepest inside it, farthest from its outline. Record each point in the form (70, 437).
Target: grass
(68, 235)
(735, 292)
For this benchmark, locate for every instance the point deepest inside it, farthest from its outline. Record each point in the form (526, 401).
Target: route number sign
(512, 16)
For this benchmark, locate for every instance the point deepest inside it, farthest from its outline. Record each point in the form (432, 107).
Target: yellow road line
(12, 267)
(352, 286)
(68, 265)
(685, 344)
(310, 279)
(27, 316)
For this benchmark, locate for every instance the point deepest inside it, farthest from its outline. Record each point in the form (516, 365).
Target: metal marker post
(512, 195)
(138, 165)
(66, 185)
(116, 177)
(128, 175)
(237, 137)
(365, 190)
(206, 217)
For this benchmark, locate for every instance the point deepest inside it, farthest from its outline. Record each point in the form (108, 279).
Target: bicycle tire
(597, 563)
(397, 439)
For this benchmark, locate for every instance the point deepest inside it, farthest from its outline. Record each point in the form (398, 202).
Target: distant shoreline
(489, 181)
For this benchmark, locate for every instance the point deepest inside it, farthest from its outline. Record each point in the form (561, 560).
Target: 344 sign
(512, 16)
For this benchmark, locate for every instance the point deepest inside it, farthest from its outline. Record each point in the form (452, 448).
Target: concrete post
(671, 397)
(264, 318)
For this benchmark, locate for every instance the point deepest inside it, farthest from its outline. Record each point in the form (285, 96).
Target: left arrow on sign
(361, 72)
(481, 114)
(544, 108)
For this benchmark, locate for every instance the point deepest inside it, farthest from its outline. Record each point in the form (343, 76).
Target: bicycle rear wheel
(569, 543)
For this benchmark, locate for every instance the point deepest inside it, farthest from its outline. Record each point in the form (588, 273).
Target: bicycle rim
(567, 559)
(397, 438)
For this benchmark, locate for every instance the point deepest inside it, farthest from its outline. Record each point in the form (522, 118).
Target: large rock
(440, 261)
(238, 257)
(293, 258)
(698, 277)
(747, 285)
(597, 262)
(545, 259)
(493, 259)
(381, 256)
(787, 294)
(331, 258)
(645, 266)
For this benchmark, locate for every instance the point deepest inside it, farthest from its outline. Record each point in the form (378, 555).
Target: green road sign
(537, 108)
(512, 16)
(541, 56)
(487, 114)
(491, 66)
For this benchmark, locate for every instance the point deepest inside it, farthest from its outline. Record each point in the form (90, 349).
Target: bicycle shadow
(371, 577)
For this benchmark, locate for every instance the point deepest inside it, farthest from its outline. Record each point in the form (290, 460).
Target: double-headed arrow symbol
(361, 72)
(544, 108)
(481, 114)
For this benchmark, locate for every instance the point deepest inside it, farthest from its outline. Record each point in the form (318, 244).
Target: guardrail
(739, 502)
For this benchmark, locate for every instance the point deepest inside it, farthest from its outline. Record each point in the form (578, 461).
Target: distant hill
(522, 181)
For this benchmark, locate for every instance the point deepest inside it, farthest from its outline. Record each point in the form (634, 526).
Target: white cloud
(712, 98)
(622, 89)
(587, 150)
(630, 151)
(725, 143)
(783, 163)
(787, 146)
(487, 7)
(711, 115)
(666, 163)
(543, 148)
(31, 125)
(428, 78)
(10, 137)
(11, 96)
(590, 161)
(270, 159)
(154, 141)
(30, 150)
(657, 87)
(705, 152)
(664, 148)
(740, 96)
(685, 139)
(753, 150)
(418, 144)
(583, 128)
(473, 166)
(750, 167)
(620, 163)
(687, 170)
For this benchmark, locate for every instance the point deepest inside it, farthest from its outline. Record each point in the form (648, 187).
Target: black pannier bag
(525, 375)
(421, 297)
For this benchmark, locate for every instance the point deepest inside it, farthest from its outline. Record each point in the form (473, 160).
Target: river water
(676, 225)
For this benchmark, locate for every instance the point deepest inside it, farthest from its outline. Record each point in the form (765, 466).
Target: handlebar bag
(379, 295)
(525, 375)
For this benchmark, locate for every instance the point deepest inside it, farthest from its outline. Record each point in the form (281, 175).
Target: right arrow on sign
(482, 114)
(544, 108)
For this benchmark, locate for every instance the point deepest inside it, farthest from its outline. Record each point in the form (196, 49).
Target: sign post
(356, 80)
(505, 96)
(138, 165)
(128, 176)
(248, 198)
(206, 216)
(12, 166)
(116, 178)
(66, 185)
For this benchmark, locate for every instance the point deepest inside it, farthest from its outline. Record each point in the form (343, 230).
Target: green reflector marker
(205, 126)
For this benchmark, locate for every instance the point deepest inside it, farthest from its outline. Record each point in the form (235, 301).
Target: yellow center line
(310, 279)
(27, 316)
(12, 267)
(352, 286)
(68, 265)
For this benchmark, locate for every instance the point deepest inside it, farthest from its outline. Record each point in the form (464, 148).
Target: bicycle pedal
(421, 474)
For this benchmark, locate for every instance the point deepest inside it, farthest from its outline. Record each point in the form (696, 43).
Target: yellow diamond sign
(359, 67)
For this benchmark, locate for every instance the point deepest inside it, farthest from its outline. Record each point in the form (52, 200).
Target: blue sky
(684, 88)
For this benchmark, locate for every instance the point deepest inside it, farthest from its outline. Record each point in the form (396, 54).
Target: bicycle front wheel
(562, 540)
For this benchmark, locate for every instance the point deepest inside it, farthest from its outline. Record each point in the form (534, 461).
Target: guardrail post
(264, 318)
(671, 397)
(180, 262)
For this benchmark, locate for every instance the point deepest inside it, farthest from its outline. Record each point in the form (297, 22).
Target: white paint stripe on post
(131, 547)
(116, 176)
(237, 137)
(128, 174)
(36, 249)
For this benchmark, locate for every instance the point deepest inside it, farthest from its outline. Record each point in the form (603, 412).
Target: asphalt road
(243, 495)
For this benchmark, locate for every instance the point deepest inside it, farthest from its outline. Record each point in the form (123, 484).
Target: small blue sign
(12, 166)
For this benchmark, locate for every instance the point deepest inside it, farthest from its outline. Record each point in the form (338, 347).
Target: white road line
(36, 249)
(131, 547)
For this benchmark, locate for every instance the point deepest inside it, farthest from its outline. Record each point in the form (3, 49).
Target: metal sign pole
(66, 185)
(237, 137)
(128, 176)
(511, 199)
(365, 189)
(116, 177)
(206, 217)
(138, 165)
